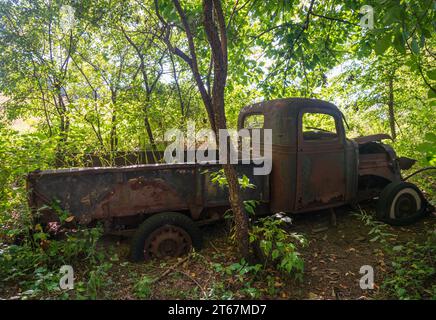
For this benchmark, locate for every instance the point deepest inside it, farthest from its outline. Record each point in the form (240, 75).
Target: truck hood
(404, 163)
(372, 137)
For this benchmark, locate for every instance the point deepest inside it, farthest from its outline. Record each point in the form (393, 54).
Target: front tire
(401, 203)
(165, 234)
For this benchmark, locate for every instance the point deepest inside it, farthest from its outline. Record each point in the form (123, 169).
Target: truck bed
(115, 193)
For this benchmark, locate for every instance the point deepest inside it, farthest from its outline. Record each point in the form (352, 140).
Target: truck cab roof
(285, 107)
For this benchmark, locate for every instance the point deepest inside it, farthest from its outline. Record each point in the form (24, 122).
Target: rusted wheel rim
(167, 241)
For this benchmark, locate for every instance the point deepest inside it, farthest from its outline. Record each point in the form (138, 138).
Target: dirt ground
(333, 258)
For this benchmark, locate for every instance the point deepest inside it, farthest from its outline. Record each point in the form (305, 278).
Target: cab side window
(318, 126)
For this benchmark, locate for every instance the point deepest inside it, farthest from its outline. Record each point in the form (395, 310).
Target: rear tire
(165, 234)
(401, 203)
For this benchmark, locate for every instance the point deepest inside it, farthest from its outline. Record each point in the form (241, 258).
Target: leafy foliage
(35, 264)
(414, 270)
(428, 148)
(278, 246)
(244, 273)
(143, 287)
(412, 264)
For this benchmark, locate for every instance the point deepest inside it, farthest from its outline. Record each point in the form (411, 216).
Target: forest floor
(332, 259)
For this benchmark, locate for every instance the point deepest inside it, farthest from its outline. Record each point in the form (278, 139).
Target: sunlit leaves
(383, 44)
(428, 148)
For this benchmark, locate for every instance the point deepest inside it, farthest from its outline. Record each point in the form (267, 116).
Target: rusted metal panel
(139, 195)
(107, 193)
(321, 177)
(321, 174)
(378, 164)
(351, 170)
(283, 178)
(317, 175)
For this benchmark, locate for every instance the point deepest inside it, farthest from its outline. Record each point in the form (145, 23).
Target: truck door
(320, 159)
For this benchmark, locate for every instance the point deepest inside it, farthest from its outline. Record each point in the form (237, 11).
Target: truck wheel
(165, 234)
(401, 203)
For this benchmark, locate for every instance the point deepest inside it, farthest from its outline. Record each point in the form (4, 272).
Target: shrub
(277, 246)
(142, 288)
(35, 263)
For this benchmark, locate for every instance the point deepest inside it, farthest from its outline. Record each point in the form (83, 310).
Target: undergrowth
(412, 273)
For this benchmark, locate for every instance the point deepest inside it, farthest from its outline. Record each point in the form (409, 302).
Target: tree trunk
(215, 28)
(391, 108)
(241, 218)
(113, 133)
(64, 125)
(216, 33)
(149, 131)
(179, 92)
(148, 126)
(235, 199)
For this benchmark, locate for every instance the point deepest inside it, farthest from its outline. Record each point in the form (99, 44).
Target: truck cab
(314, 165)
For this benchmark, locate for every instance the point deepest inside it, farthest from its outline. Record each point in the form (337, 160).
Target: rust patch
(139, 196)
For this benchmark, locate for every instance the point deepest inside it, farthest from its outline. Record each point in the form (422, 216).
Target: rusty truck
(314, 166)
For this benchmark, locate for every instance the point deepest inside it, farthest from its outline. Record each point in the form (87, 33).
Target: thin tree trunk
(216, 33)
(241, 218)
(391, 108)
(64, 124)
(148, 126)
(113, 133)
(215, 29)
(149, 131)
(179, 92)
(149, 85)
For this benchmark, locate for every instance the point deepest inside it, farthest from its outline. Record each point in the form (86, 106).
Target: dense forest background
(79, 77)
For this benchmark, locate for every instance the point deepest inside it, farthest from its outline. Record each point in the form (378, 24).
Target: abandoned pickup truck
(313, 168)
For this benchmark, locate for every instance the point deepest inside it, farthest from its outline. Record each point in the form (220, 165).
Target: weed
(414, 270)
(378, 231)
(35, 264)
(274, 244)
(142, 288)
(412, 267)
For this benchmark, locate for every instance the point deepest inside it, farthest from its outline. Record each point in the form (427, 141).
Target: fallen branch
(213, 246)
(168, 271)
(195, 281)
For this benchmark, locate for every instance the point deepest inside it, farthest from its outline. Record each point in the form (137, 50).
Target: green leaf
(430, 136)
(397, 248)
(432, 74)
(275, 254)
(399, 42)
(415, 46)
(426, 33)
(383, 44)
(392, 15)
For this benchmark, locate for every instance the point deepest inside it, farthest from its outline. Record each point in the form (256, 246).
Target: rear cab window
(254, 121)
